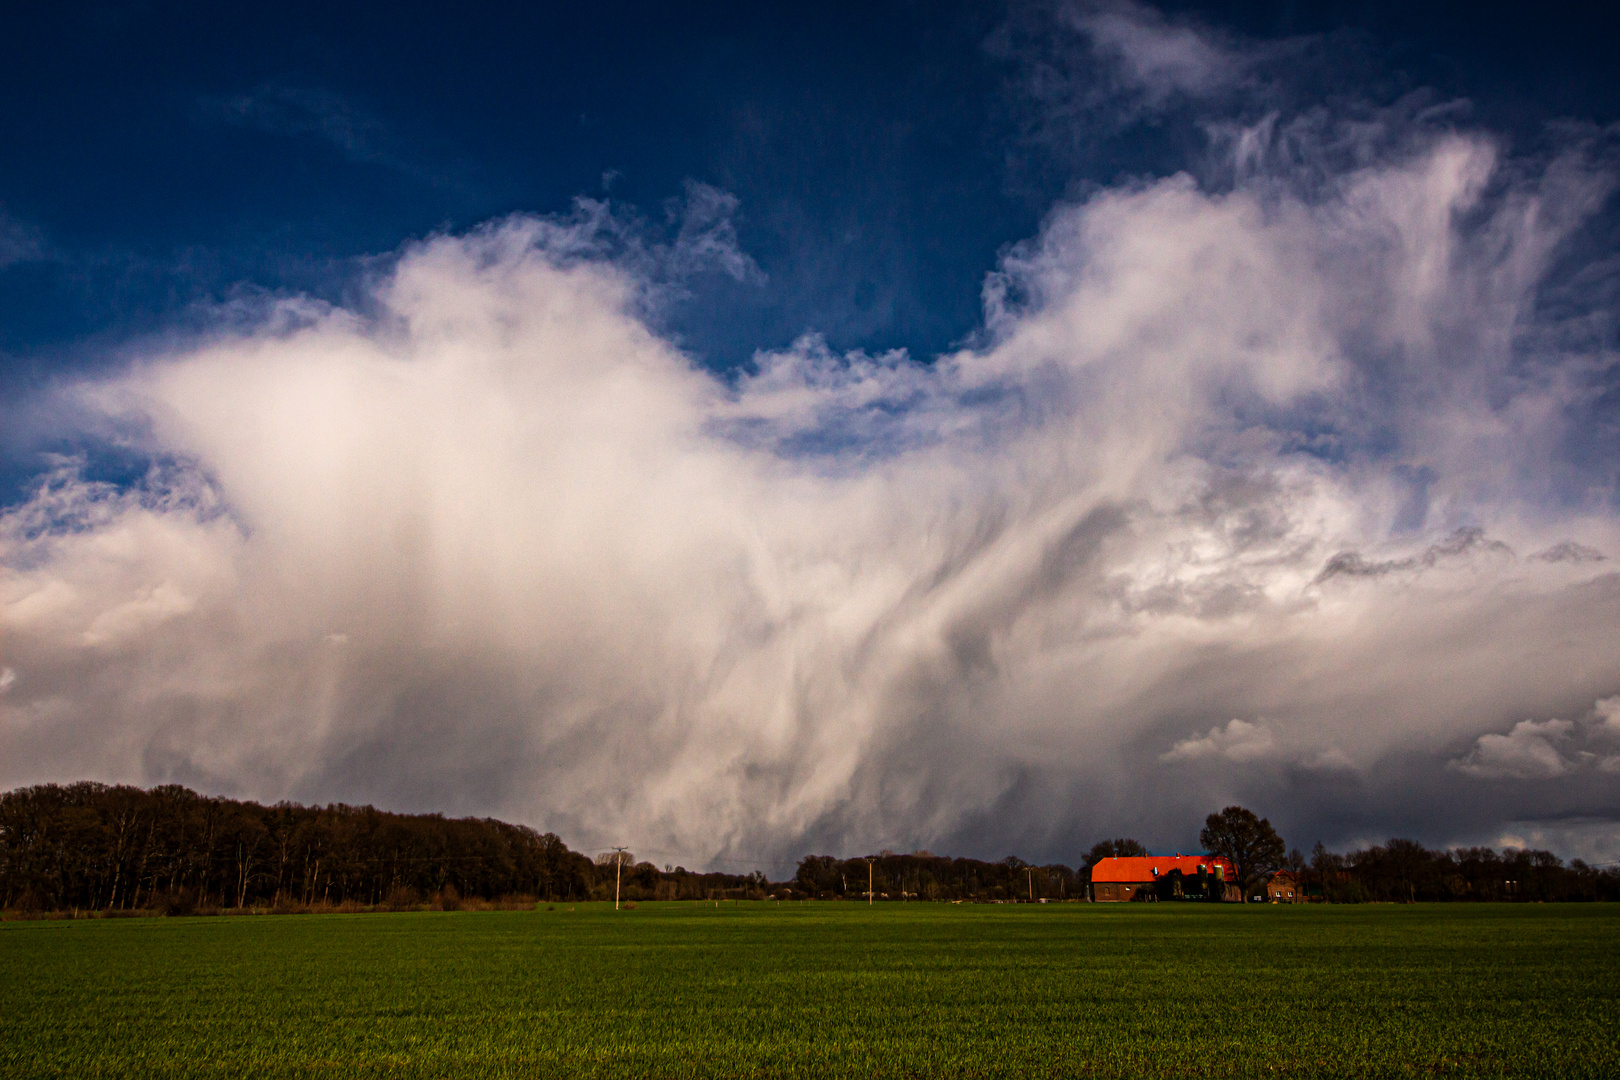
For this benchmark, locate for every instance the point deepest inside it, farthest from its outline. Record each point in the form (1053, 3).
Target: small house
(1283, 888)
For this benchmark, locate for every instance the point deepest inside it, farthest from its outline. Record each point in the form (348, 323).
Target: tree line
(95, 847)
(91, 847)
(1404, 871)
(1397, 871)
(922, 875)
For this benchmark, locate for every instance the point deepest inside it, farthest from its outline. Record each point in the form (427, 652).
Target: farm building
(1153, 876)
(1283, 888)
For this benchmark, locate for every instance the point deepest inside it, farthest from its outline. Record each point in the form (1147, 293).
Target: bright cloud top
(1260, 492)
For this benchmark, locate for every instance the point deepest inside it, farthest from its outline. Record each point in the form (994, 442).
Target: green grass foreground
(822, 990)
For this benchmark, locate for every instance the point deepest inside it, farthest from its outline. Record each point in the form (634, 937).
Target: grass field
(822, 990)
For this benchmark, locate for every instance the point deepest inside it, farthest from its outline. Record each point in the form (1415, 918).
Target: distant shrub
(286, 905)
(402, 898)
(183, 902)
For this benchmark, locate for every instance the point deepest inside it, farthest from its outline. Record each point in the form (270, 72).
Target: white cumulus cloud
(1538, 750)
(1531, 751)
(1238, 741)
(845, 600)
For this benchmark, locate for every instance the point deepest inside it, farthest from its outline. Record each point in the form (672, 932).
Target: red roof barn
(1121, 878)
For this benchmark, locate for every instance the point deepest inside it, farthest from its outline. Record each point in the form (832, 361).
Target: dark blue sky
(159, 155)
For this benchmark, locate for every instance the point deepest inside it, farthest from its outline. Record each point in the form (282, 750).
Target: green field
(822, 989)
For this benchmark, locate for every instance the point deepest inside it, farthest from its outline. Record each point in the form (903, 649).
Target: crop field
(822, 989)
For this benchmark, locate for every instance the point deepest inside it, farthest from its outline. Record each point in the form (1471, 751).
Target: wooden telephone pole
(618, 873)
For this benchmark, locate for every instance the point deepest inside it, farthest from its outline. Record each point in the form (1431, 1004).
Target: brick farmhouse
(1283, 888)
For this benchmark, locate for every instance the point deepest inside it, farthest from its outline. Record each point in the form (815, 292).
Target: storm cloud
(1266, 488)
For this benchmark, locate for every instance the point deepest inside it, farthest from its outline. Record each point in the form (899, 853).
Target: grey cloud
(1569, 551)
(1607, 712)
(1351, 564)
(1470, 539)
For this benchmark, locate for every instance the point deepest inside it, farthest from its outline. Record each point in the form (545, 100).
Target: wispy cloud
(296, 110)
(707, 236)
(289, 109)
(1156, 57)
(20, 242)
(1090, 69)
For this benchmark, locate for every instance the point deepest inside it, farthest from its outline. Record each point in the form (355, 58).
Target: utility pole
(618, 873)
(1029, 872)
(868, 882)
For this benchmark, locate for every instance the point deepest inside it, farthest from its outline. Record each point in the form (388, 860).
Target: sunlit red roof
(1142, 869)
